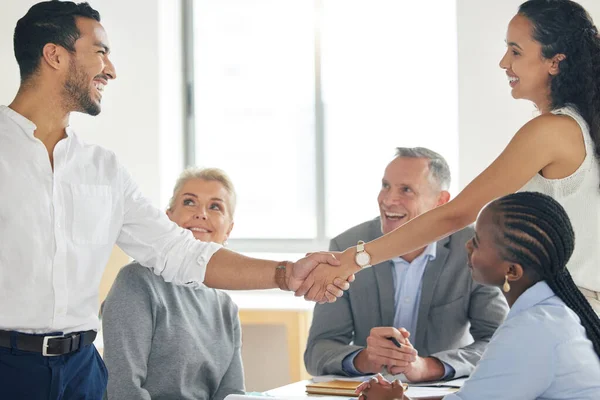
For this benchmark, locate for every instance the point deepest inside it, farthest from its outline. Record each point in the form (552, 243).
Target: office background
(302, 102)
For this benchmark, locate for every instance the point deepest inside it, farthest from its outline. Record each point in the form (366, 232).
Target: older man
(426, 299)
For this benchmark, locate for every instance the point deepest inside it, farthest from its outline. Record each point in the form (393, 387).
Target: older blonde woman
(168, 341)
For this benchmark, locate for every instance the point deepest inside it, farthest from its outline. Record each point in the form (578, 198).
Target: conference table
(297, 390)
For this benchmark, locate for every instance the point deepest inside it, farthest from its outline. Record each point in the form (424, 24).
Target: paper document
(455, 383)
(327, 378)
(419, 392)
(303, 397)
(247, 397)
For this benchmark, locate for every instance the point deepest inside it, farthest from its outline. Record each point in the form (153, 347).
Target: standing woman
(553, 60)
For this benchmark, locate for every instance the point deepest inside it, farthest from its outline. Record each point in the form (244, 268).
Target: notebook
(336, 388)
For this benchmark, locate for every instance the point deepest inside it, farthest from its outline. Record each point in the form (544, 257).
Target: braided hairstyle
(535, 232)
(565, 27)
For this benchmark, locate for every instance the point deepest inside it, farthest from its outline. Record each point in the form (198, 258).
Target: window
(303, 103)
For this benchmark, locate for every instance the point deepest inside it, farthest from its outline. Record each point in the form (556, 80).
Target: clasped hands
(379, 388)
(382, 352)
(322, 276)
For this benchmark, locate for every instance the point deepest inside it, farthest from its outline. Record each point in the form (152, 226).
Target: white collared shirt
(58, 228)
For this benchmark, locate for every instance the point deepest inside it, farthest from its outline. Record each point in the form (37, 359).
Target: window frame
(247, 245)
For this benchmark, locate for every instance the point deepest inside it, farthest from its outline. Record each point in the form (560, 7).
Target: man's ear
(443, 198)
(54, 56)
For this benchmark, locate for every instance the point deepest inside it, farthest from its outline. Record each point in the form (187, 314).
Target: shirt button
(201, 260)
(61, 310)
(406, 300)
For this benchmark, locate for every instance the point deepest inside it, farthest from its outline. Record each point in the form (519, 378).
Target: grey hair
(439, 171)
(206, 174)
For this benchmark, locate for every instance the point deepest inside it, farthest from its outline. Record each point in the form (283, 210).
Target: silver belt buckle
(45, 346)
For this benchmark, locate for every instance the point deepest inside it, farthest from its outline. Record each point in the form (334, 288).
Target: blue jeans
(79, 375)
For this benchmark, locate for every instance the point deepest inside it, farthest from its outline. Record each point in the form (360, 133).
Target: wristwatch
(362, 258)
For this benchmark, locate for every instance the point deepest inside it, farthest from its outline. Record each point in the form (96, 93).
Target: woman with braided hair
(549, 345)
(553, 60)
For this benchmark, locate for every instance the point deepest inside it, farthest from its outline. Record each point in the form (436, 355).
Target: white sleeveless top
(579, 194)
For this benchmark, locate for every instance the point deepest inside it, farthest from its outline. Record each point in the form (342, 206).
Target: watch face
(363, 258)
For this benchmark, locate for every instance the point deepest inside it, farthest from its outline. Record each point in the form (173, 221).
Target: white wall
(488, 115)
(141, 113)
(141, 109)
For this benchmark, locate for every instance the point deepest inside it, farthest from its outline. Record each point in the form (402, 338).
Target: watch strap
(360, 246)
(280, 276)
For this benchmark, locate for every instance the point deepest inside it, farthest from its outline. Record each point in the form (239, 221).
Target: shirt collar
(28, 126)
(430, 253)
(532, 296)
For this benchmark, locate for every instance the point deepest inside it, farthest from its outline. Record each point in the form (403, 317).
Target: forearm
(363, 365)
(422, 230)
(325, 356)
(229, 270)
(463, 360)
(433, 369)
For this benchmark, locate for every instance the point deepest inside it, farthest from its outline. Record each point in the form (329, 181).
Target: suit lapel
(385, 283)
(428, 284)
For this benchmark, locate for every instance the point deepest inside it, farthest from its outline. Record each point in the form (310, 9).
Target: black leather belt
(48, 345)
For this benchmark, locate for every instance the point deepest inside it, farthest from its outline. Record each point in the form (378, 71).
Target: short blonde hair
(206, 174)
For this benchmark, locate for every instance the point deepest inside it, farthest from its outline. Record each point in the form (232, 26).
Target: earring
(225, 243)
(506, 286)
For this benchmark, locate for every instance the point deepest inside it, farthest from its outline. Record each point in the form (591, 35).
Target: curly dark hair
(536, 233)
(47, 22)
(565, 27)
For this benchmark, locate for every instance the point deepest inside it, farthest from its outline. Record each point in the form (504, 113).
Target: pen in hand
(395, 341)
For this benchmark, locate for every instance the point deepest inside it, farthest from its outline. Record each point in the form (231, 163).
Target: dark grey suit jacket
(456, 319)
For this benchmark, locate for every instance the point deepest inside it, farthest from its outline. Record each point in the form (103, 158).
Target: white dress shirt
(58, 228)
(541, 351)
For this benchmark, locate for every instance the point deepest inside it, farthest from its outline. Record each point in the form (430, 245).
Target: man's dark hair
(47, 22)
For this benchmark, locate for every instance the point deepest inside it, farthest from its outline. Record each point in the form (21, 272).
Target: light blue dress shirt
(407, 296)
(541, 351)
(407, 288)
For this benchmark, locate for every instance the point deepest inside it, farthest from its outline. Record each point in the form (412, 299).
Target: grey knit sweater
(163, 341)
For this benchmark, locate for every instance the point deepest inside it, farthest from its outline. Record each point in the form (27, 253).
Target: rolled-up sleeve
(154, 241)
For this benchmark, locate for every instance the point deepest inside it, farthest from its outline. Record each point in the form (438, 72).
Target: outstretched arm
(546, 142)
(229, 270)
(537, 145)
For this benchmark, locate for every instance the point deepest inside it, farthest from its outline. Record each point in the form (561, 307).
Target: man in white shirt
(65, 204)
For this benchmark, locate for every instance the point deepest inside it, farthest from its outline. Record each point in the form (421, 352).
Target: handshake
(322, 276)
